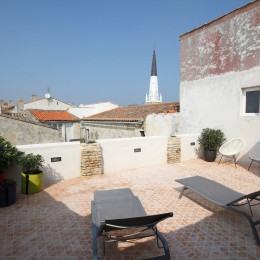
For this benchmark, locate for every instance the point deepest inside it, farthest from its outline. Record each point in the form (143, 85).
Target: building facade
(67, 124)
(132, 121)
(220, 76)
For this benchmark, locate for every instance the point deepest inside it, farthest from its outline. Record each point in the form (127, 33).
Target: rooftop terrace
(56, 223)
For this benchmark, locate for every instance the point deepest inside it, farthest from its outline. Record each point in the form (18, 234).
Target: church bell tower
(153, 96)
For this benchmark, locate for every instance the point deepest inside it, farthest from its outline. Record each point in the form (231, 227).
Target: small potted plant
(7, 192)
(32, 174)
(210, 140)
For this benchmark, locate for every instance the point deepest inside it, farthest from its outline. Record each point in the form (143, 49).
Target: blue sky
(94, 51)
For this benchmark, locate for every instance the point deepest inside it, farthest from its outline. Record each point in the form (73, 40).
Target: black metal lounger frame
(144, 223)
(252, 160)
(236, 203)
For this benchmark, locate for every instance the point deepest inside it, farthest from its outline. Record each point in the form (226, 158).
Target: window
(251, 100)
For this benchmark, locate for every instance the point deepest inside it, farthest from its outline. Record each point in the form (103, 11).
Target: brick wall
(91, 159)
(174, 150)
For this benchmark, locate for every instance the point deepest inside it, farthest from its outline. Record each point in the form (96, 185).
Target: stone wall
(91, 159)
(97, 131)
(161, 124)
(20, 132)
(174, 150)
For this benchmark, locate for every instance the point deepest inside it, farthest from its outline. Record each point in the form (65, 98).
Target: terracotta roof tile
(52, 115)
(134, 113)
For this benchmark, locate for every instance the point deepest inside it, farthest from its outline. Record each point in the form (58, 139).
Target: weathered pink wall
(230, 43)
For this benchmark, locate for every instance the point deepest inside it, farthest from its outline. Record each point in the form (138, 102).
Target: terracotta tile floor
(56, 223)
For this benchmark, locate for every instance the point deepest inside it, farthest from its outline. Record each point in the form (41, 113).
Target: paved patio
(56, 223)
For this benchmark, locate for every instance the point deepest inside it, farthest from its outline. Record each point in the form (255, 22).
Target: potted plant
(9, 155)
(7, 192)
(32, 175)
(210, 140)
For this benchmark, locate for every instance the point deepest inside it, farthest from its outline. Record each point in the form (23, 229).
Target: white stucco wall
(119, 154)
(216, 102)
(68, 167)
(161, 124)
(92, 109)
(47, 104)
(189, 146)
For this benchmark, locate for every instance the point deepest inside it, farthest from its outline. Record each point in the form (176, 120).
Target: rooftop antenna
(48, 95)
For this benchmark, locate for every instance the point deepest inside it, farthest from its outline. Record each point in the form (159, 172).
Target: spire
(154, 67)
(153, 96)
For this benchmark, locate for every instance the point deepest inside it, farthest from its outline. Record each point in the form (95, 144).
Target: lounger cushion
(116, 204)
(211, 190)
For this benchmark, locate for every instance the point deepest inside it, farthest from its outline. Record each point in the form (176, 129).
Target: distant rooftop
(134, 113)
(52, 115)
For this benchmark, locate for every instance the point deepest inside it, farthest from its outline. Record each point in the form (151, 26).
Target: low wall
(62, 160)
(189, 146)
(72, 159)
(130, 153)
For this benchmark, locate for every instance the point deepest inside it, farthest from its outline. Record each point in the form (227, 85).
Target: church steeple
(153, 96)
(154, 66)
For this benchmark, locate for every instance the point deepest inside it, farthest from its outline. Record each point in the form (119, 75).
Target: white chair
(232, 148)
(254, 154)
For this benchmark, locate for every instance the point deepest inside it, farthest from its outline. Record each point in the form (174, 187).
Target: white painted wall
(119, 154)
(92, 109)
(81, 112)
(47, 104)
(189, 151)
(161, 124)
(216, 102)
(68, 167)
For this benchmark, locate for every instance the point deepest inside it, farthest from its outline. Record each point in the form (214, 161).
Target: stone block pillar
(91, 159)
(174, 150)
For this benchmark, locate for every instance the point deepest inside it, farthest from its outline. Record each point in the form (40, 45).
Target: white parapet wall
(189, 146)
(61, 160)
(130, 153)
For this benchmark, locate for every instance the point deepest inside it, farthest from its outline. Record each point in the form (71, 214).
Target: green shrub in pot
(9, 155)
(210, 140)
(32, 173)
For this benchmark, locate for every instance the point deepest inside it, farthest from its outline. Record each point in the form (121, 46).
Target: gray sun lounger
(223, 196)
(119, 209)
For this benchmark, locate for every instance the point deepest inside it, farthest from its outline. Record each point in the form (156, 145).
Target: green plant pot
(32, 183)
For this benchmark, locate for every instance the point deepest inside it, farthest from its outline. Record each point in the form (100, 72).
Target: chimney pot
(34, 97)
